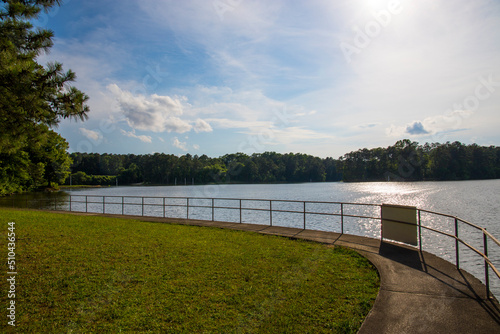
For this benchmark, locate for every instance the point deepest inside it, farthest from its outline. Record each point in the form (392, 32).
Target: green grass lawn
(89, 274)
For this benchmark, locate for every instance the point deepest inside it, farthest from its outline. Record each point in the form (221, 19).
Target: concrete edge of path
(419, 292)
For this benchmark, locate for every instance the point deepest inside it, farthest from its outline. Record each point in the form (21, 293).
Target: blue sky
(317, 77)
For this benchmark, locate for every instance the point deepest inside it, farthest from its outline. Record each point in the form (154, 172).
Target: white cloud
(417, 128)
(368, 125)
(288, 135)
(143, 138)
(433, 125)
(154, 113)
(402, 84)
(196, 146)
(91, 134)
(257, 41)
(202, 126)
(179, 144)
(226, 123)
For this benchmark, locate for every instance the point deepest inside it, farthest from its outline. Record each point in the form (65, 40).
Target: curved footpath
(419, 292)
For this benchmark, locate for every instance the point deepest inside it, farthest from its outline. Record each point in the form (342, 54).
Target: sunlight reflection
(401, 193)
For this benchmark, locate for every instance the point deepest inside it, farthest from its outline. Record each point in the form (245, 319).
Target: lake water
(477, 202)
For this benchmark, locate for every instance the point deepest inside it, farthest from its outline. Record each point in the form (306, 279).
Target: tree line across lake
(404, 161)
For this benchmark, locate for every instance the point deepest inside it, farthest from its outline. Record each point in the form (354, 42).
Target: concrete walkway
(419, 292)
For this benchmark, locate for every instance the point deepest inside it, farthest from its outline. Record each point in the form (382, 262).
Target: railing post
(103, 204)
(457, 253)
(142, 205)
(69, 203)
(419, 231)
(187, 208)
(123, 205)
(271, 213)
(55, 203)
(486, 269)
(241, 221)
(381, 225)
(304, 215)
(213, 216)
(86, 204)
(163, 207)
(342, 218)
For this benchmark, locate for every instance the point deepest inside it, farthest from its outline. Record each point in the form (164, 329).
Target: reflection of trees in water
(56, 200)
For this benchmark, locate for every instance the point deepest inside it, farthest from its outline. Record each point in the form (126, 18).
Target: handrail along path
(206, 208)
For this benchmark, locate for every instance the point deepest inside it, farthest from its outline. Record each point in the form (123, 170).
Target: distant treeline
(160, 168)
(404, 161)
(409, 161)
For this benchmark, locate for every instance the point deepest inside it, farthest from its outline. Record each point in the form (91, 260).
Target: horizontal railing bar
(495, 270)
(230, 199)
(469, 246)
(482, 255)
(471, 224)
(437, 231)
(194, 206)
(495, 240)
(453, 217)
(232, 208)
(209, 203)
(309, 212)
(492, 266)
(367, 217)
(437, 213)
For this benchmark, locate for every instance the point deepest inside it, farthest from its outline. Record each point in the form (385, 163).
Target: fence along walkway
(302, 214)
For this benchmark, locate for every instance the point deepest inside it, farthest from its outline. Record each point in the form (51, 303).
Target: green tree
(130, 175)
(33, 99)
(49, 149)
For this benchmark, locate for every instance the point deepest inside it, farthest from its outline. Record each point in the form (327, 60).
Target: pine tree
(33, 100)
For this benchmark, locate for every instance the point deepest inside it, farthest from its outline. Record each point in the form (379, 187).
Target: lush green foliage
(89, 274)
(80, 178)
(170, 169)
(33, 98)
(404, 161)
(409, 161)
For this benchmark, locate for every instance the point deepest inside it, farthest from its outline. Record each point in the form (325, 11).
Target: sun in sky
(318, 77)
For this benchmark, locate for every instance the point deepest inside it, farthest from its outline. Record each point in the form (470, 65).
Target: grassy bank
(82, 274)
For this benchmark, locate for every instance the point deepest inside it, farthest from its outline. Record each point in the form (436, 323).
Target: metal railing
(302, 212)
(455, 236)
(189, 203)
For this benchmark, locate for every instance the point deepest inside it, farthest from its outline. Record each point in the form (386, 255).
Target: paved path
(419, 292)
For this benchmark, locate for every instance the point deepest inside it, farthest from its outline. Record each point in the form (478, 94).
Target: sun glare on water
(400, 193)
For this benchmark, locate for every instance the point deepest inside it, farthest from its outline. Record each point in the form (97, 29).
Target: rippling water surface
(477, 202)
(474, 201)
